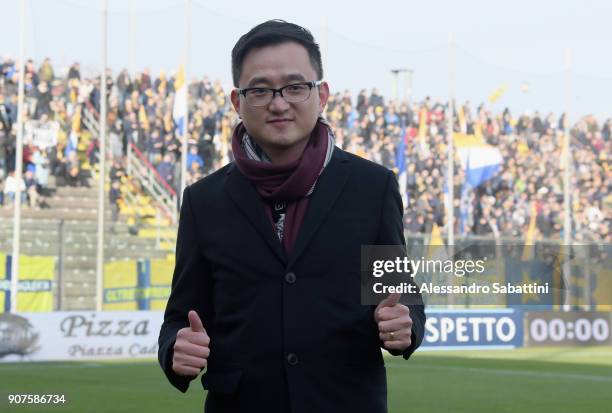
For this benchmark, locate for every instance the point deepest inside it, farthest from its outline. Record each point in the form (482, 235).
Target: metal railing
(164, 197)
(155, 185)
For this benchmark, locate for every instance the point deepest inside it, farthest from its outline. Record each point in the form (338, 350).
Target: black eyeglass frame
(311, 85)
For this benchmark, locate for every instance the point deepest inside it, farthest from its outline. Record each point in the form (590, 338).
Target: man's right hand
(191, 348)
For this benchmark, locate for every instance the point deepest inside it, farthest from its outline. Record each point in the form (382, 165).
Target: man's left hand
(394, 323)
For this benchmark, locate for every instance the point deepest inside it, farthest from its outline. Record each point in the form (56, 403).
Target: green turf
(525, 380)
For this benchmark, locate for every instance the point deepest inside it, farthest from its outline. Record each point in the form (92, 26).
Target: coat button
(292, 359)
(290, 277)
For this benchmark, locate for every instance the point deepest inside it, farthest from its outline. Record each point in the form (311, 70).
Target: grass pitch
(523, 380)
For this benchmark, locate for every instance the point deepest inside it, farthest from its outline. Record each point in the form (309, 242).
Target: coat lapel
(246, 198)
(329, 186)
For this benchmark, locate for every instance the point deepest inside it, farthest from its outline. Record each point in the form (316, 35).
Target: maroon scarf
(289, 183)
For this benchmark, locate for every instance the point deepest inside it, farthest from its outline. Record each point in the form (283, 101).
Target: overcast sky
(521, 43)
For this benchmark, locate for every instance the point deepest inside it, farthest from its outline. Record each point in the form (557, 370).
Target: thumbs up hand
(191, 348)
(394, 323)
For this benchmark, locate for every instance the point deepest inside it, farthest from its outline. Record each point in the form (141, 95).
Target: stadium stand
(140, 117)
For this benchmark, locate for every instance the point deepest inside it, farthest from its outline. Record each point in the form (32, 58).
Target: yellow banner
(35, 292)
(137, 285)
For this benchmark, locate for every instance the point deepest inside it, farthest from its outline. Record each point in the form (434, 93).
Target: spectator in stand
(11, 185)
(7, 68)
(376, 100)
(31, 188)
(93, 151)
(530, 144)
(165, 169)
(194, 158)
(5, 133)
(194, 173)
(43, 100)
(75, 71)
(114, 198)
(74, 176)
(30, 71)
(124, 85)
(171, 146)
(45, 73)
(41, 168)
(116, 140)
(155, 147)
(5, 116)
(144, 80)
(117, 172)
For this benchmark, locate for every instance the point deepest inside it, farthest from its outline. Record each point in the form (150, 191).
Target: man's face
(279, 126)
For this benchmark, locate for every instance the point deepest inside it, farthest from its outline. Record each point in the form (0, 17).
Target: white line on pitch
(504, 372)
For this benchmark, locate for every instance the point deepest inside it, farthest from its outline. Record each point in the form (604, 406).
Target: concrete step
(50, 235)
(88, 261)
(26, 243)
(134, 255)
(75, 214)
(79, 303)
(72, 288)
(79, 275)
(82, 250)
(75, 201)
(78, 243)
(91, 192)
(82, 264)
(85, 262)
(79, 251)
(34, 227)
(76, 232)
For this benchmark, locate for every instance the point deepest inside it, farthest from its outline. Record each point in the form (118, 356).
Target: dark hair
(271, 33)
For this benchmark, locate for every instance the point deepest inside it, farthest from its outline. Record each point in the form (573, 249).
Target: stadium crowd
(527, 188)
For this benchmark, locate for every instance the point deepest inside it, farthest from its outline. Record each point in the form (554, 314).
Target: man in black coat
(266, 289)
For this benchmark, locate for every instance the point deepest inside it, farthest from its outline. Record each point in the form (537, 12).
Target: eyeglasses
(294, 93)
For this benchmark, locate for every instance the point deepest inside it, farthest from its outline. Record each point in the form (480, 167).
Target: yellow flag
(497, 93)
(436, 236)
(531, 233)
(478, 130)
(143, 118)
(180, 78)
(436, 248)
(423, 131)
(76, 119)
(462, 122)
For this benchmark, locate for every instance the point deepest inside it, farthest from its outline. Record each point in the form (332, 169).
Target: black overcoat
(288, 333)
